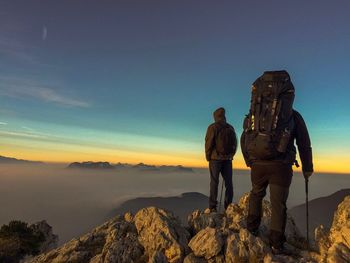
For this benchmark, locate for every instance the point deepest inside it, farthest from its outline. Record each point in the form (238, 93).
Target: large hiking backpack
(270, 122)
(226, 141)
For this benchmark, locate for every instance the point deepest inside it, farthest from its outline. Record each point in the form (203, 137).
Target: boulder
(199, 220)
(99, 245)
(191, 258)
(244, 247)
(160, 230)
(156, 236)
(207, 243)
(121, 245)
(340, 230)
(158, 257)
(334, 245)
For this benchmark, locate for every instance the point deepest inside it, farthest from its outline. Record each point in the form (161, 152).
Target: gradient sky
(137, 81)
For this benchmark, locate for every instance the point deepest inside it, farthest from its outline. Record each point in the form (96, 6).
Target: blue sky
(143, 77)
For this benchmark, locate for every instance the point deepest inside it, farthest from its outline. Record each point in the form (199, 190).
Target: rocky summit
(156, 235)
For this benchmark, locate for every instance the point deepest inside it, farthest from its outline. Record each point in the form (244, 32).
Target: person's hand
(307, 174)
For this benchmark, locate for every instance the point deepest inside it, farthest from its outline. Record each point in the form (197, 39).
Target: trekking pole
(307, 210)
(234, 183)
(222, 188)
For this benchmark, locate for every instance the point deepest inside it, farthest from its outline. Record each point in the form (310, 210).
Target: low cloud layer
(74, 201)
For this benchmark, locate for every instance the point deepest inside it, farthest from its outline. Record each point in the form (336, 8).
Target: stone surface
(198, 221)
(160, 230)
(156, 236)
(207, 243)
(158, 257)
(334, 245)
(121, 244)
(236, 215)
(244, 247)
(191, 258)
(340, 230)
(100, 245)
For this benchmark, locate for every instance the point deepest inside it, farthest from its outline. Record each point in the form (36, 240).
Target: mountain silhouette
(10, 160)
(139, 167)
(321, 211)
(181, 205)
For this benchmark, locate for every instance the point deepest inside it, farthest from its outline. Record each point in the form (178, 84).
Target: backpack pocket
(260, 146)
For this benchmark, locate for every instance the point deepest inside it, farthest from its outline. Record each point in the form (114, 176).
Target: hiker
(220, 147)
(267, 143)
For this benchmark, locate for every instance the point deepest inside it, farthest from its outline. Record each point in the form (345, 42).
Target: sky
(137, 81)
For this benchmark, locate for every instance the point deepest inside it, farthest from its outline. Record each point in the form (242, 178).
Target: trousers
(223, 167)
(278, 177)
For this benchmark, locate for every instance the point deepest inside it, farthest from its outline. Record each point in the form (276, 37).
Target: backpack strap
(257, 112)
(275, 119)
(274, 105)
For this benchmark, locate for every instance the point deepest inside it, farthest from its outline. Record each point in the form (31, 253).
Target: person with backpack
(267, 142)
(220, 147)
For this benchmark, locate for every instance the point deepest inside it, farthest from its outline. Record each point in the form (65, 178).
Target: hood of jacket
(219, 115)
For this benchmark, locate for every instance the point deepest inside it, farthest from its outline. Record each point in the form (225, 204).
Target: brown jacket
(211, 137)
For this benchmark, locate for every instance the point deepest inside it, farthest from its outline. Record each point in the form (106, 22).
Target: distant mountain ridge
(181, 205)
(321, 210)
(91, 165)
(139, 166)
(11, 160)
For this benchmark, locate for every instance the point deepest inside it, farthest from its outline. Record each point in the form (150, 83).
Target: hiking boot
(277, 250)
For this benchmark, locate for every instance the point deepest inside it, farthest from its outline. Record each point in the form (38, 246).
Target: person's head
(219, 114)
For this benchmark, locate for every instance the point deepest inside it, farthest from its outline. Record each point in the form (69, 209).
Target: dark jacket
(301, 135)
(211, 137)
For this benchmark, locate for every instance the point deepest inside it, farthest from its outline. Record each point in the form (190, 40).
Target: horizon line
(167, 164)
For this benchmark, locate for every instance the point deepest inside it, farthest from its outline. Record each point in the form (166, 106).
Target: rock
(191, 258)
(217, 259)
(160, 230)
(156, 236)
(322, 240)
(338, 253)
(232, 248)
(121, 245)
(128, 217)
(334, 245)
(340, 230)
(158, 257)
(100, 245)
(207, 243)
(237, 213)
(244, 247)
(198, 221)
(50, 238)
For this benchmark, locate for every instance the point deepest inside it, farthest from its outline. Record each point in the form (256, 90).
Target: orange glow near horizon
(330, 164)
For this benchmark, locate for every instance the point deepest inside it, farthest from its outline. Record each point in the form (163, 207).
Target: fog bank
(75, 200)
